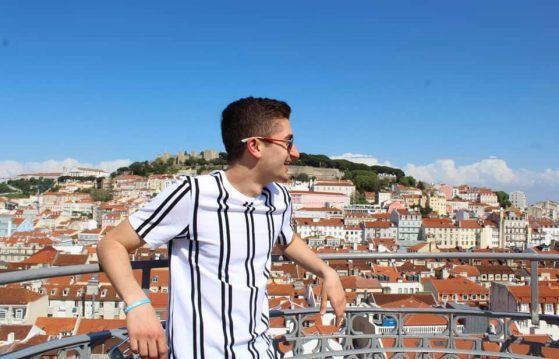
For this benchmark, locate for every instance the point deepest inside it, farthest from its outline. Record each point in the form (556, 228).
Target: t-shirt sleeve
(286, 232)
(164, 217)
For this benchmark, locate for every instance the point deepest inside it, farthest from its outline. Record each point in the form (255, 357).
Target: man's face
(278, 152)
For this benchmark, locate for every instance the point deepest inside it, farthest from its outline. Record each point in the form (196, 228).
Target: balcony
(368, 332)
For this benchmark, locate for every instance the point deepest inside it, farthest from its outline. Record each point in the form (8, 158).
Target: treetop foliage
(323, 161)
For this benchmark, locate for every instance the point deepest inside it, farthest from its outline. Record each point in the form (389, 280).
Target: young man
(220, 230)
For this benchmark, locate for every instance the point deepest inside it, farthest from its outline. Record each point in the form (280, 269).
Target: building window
(19, 313)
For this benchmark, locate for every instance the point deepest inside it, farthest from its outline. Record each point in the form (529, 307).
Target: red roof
(55, 326)
(458, 286)
(357, 282)
(377, 224)
(97, 325)
(63, 259)
(470, 271)
(469, 223)
(18, 296)
(437, 223)
(545, 294)
(332, 222)
(20, 331)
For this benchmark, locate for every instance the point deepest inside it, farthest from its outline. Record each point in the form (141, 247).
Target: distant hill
(344, 165)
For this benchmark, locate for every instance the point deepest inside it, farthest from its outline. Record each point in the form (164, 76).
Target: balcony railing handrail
(549, 318)
(42, 273)
(76, 341)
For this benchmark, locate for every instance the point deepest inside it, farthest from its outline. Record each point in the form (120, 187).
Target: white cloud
(360, 158)
(490, 172)
(12, 168)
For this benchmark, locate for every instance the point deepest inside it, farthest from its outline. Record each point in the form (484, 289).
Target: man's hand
(333, 290)
(147, 337)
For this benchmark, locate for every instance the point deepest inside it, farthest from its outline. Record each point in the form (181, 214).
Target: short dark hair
(249, 117)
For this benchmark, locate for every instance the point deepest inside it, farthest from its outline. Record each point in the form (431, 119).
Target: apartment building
(21, 306)
(315, 199)
(460, 290)
(409, 225)
(340, 186)
(516, 298)
(333, 227)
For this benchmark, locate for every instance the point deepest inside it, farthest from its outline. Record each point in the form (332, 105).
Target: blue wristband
(136, 304)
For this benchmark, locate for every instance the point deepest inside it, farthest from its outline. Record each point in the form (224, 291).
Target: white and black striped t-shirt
(220, 243)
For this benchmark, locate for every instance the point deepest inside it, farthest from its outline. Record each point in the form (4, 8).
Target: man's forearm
(299, 252)
(115, 262)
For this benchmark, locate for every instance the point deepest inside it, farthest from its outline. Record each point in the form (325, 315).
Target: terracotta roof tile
(97, 325)
(470, 271)
(388, 300)
(18, 296)
(545, 294)
(458, 285)
(357, 282)
(20, 331)
(63, 259)
(55, 326)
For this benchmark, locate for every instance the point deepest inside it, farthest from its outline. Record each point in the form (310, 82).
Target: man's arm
(332, 288)
(146, 334)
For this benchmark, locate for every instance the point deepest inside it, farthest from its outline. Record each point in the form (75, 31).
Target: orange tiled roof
(470, 271)
(393, 300)
(20, 331)
(376, 224)
(437, 223)
(357, 282)
(332, 222)
(391, 272)
(18, 296)
(159, 300)
(97, 325)
(281, 290)
(458, 285)
(469, 223)
(55, 326)
(63, 259)
(545, 294)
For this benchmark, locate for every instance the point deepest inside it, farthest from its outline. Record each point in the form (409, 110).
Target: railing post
(146, 271)
(534, 300)
(534, 289)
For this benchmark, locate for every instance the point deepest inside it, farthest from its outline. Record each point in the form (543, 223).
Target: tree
(503, 199)
(302, 177)
(365, 181)
(425, 211)
(408, 181)
(359, 198)
(100, 195)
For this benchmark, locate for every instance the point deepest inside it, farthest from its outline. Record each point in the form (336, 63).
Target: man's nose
(294, 153)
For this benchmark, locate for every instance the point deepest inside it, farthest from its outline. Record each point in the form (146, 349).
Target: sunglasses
(289, 142)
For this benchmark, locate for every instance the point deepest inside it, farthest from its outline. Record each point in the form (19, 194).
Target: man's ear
(254, 148)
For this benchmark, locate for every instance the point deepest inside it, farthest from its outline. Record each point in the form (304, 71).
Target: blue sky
(409, 83)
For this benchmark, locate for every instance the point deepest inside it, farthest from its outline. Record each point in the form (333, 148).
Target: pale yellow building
(438, 204)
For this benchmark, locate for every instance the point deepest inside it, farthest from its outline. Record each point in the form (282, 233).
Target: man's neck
(244, 180)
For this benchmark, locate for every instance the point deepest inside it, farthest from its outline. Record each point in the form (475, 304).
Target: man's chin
(284, 178)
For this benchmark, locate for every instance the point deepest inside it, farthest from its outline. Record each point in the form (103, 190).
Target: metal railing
(361, 336)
